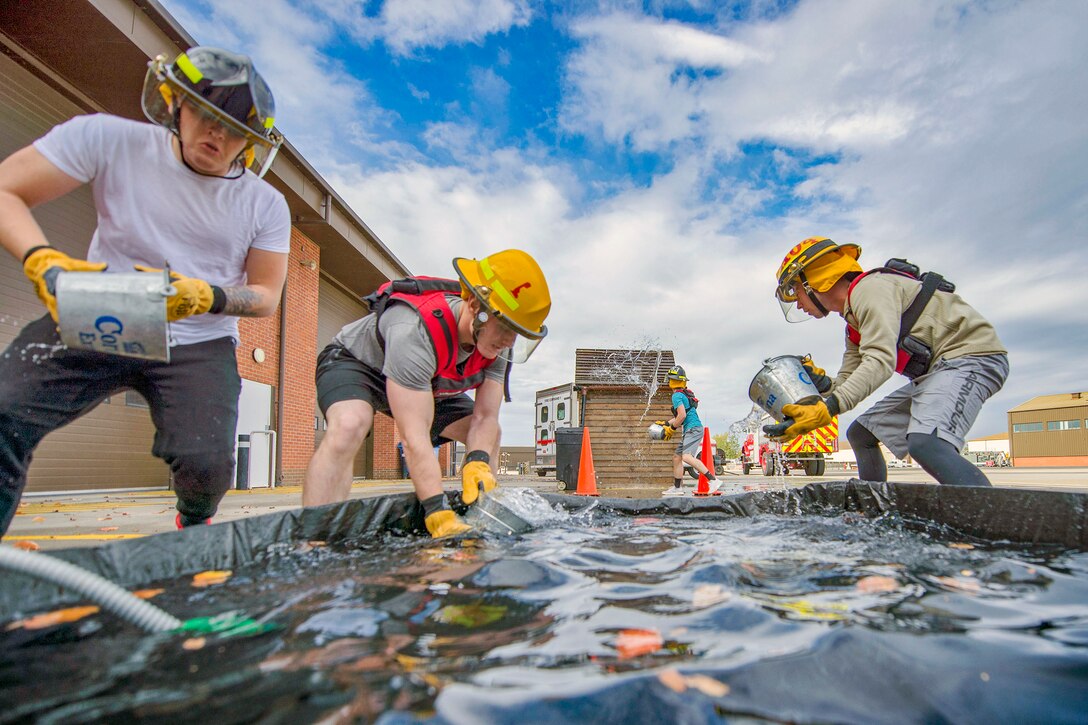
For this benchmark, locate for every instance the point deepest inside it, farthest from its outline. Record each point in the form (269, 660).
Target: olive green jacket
(875, 306)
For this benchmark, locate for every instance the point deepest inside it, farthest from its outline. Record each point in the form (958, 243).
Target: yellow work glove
(42, 265)
(668, 430)
(818, 376)
(476, 476)
(803, 418)
(445, 523)
(192, 296)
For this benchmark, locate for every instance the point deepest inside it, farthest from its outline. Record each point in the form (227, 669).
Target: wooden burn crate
(623, 393)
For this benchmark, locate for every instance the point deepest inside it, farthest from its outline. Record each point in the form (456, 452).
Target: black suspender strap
(930, 283)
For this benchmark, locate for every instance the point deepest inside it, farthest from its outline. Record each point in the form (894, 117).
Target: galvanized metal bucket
(656, 432)
(119, 314)
(489, 514)
(782, 381)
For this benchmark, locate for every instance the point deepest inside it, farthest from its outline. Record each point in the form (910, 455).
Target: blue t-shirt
(691, 420)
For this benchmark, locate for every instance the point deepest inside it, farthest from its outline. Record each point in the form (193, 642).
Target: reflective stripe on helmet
(191, 71)
(497, 286)
(500, 289)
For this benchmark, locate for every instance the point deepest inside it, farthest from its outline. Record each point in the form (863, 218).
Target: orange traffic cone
(707, 457)
(587, 477)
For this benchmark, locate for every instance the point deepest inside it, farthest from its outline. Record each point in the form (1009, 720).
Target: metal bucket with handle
(490, 514)
(782, 381)
(119, 314)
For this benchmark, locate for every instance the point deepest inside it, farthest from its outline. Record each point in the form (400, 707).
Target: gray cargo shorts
(690, 441)
(943, 402)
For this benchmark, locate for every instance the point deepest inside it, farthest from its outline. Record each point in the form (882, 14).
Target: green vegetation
(728, 445)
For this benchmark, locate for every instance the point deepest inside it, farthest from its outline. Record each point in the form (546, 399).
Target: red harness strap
(427, 296)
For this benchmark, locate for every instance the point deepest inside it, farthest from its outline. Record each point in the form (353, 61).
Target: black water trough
(836, 602)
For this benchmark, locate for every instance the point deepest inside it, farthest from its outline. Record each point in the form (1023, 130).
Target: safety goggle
(787, 291)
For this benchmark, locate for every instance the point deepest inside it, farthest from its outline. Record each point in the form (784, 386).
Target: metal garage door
(336, 308)
(109, 447)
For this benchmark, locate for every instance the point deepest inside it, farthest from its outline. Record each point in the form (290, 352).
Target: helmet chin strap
(812, 296)
(241, 172)
(477, 322)
(181, 151)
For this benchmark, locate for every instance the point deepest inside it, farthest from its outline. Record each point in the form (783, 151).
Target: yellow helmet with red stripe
(511, 287)
(816, 264)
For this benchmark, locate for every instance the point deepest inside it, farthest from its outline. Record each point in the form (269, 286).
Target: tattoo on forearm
(242, 302)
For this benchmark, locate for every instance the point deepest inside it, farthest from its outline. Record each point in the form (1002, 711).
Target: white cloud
(409, 25)
(956, 129)
(321, 106)
(630, 79)
(959, 128)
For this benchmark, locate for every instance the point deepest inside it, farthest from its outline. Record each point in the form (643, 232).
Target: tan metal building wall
(1050, 447)
(116, 435)
(335, 309)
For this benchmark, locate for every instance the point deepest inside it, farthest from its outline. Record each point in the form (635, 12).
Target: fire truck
(556, 407)
(806, 452)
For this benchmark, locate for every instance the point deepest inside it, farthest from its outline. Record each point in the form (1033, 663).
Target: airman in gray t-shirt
(409, 355)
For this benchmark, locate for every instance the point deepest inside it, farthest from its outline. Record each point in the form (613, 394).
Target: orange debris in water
(875, 584)
(59, 616)
(208, 578)
(637, 642)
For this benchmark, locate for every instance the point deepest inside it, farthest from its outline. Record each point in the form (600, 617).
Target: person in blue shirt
(685, 415)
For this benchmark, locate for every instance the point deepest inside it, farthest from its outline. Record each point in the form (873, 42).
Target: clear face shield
(786, 294)
(523, 346)
(522, 349)
(162, 95)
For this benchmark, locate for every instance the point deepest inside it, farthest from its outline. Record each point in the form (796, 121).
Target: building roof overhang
(95, 52)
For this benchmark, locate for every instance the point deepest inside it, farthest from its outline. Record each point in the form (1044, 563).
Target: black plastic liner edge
(1021, 516)
(995, 514)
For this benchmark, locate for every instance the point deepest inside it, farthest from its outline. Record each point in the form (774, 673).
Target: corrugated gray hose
(101, 591)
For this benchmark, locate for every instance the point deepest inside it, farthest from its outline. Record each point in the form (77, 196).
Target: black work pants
(193, 401)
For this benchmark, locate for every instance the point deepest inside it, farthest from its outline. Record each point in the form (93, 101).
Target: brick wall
(296, 430)
(386, 436)
(386, 457)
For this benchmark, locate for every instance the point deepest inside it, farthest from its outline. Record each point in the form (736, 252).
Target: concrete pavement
(57, 521)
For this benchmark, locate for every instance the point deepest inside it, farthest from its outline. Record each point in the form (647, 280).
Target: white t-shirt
(153, 210)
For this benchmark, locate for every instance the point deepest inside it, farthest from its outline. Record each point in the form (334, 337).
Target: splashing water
(40, 351)
(639, 365)
(747, 425)
(751, 425)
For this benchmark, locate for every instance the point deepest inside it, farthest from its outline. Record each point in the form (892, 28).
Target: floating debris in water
(593, 610)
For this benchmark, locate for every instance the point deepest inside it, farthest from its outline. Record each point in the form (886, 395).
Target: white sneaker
(713, 485)
(674, 491)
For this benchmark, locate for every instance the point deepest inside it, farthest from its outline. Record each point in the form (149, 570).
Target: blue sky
(659, 158)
